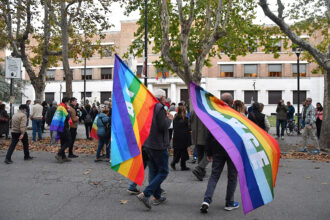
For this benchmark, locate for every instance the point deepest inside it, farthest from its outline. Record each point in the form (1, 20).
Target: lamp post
(298, 52)
(146, 42)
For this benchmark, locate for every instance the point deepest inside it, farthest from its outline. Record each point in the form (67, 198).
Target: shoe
(173, 166)
(133, 191)
(197, 175)
(315, 152)
(59, 158)
(204, 207)
(282, 137)
(98, 160)
(7, 161)
(163, 192)
(185, 168)
(158, 201)
(303, 150)
(230, 207)
(144, 200)
(72, 156)
(28, 158)
(193, 160)
(65, 159)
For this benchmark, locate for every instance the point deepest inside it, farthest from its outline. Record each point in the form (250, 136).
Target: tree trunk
(39, 88)
(325, 129)
(65, 51)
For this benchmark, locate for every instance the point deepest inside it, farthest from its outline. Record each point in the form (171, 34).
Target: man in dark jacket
(156, 148)
(49, 117)
(219, 156)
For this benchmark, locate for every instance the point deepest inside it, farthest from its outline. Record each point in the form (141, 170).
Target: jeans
(14, 141)
(36, 127)
(195, 152)
(65, 138)
(73, 133)
(219, 161)
(310, 130)
(102, 141)
(158, 169)
(52, 137)
(283, 124)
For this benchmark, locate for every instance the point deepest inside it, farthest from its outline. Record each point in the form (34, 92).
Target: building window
(163, 73)
(250, 96)
(50, 75)
(302, 70)
(227, 70)
(88, 94)
(227, 91)
(49, 97)
(139, 69)
(250, 70)
(274, 70)
(274, 97)
(105, 96)
(302, 97)
(277, 47)
(106, 73)
(89, 73)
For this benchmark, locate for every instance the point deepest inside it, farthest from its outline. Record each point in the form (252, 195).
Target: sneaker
(72, 156)
(65, 159)
(315, 152)
(59, 158)
(230, 207)
(282, 137)
(133, 191)
(185, 168)
(98, 160)
(193, 160)
(144, 200)
(163, 192)
(7, 161)
(197, 175)
(303, 150)
(158, 201)
(28, 158)
(204, 207)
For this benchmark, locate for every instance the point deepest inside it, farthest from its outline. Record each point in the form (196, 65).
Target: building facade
(257, 76)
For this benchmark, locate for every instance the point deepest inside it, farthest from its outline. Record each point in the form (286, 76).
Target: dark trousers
(88, 128)
(281, 123)
(218, 163)
(318, 127)
(14, 141)
(180, 154)
(65, 138)
(202, 160)
(73, 132)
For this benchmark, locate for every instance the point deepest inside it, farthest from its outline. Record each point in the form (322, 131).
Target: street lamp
(146, 42)
(298, 52)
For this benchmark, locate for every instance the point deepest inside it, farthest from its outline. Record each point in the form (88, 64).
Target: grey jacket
(310, 115)
(198, 130)
(158, 138)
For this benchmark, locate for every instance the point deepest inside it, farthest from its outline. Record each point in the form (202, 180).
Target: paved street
(83, 189)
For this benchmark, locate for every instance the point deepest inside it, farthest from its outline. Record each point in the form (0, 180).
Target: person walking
(44, 111)
(4, 121)
(104, 133)
(309, 116)
(88, 119)
(19, 134)
(259, 118)
(73, 127)
(28, 102)
(36, 117)
(49, 117)
(219, 157)
(181, 139)
(319, 118)
(281, 117)
(170, 129)
(156, 148)
(199, 139)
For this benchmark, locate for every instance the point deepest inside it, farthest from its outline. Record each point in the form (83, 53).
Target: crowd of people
(171, 125)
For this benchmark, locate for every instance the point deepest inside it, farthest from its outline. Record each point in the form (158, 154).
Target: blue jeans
(36, 127)
(158, 169)
(102, 141)
(283, 124)
(218, 163)
(195, 152)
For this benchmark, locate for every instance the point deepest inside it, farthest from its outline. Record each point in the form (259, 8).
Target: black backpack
(88, 118)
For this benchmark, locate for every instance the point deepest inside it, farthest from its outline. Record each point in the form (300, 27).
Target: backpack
(88, 118)
(107, 128)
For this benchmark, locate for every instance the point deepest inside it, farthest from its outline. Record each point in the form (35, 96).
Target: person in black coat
(181, 138)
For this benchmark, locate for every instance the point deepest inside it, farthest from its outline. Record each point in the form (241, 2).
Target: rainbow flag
(132, 112)
(59, 119)
(254, 152)
(94, 128)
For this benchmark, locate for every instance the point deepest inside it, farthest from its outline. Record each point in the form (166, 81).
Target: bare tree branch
(75, 14)
(18, 14)
(28, 21)
(280, 9)
(51, 12)
(318, 55)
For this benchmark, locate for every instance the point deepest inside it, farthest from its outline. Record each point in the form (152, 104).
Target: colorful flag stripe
(132, 112)
(254, 152)
(59, 119)
(94, 128)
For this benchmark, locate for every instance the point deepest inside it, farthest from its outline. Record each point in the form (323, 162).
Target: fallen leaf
(87, 172)
(317, 168)
(123, 201)
(288, 172)
(46, 194)
(324, 183)
(96, 183)
(307, 177)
